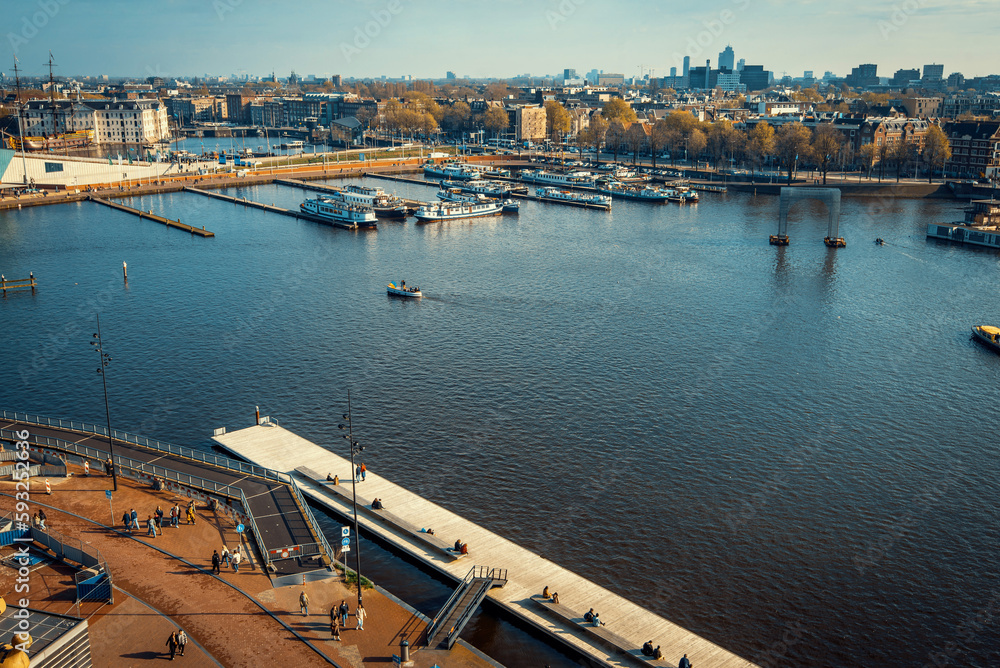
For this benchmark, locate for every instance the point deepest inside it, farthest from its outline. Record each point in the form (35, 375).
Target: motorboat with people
(402, 291)
(989, 335)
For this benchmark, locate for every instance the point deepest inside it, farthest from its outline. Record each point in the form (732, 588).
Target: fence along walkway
(279, 516)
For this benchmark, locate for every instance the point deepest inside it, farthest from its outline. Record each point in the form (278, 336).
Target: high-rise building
(933, 72)
(902, 78)
(569, 73)
(755, 77)
(449, 75)
(863, 75)
(687, 65)
(673, 72)
(956, 80)
(727, 58)
(740, 64)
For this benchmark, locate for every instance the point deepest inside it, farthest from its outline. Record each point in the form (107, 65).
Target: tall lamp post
(105, 360)
(355, 450)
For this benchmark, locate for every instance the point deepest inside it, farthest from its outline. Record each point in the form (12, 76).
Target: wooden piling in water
(16, 283)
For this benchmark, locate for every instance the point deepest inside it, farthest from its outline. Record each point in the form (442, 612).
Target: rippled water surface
(787, 450)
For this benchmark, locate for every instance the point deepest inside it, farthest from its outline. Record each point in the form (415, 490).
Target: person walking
(237, 558)
(190, 513)
(344, 612)
(225, 556)
(109, 467)
(357, 473)
(127, 521)
(334, 623)
(41, 519)
(304, 603)
(216, 562)
(364, 471)
(34, 520)
(175, 516)
(151, 526)
(172, 645)
(360, 614)
(182, 641)
(135, 519)
(159, 518)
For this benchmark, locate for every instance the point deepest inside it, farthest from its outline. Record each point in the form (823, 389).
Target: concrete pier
(627, 625)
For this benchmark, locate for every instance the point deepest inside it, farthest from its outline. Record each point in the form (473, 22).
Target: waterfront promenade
(528, 574)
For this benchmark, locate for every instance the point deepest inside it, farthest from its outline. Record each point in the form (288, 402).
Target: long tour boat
(573, 198)
(647, 193)
(436, 211)
(480, 186)
(455, 170)
(339, 213)
(573, 179)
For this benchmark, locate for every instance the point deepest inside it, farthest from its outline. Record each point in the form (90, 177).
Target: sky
(493, 38)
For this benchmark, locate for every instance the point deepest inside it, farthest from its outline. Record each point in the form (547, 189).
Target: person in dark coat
(216, 562)
(127, 521)
(172, 645)
(683, 663)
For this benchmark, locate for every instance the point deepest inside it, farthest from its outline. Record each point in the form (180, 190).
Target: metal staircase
(446, 626)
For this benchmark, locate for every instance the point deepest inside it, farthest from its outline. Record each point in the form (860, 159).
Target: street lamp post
(105, 360)
(355, 450)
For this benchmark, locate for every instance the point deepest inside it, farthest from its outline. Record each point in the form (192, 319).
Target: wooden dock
(268, 207)
(149, 215)
(627, 625)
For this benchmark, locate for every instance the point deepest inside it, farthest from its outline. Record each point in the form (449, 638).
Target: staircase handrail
(433, 627)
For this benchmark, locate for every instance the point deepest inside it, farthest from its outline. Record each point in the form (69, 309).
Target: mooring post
(125, 271)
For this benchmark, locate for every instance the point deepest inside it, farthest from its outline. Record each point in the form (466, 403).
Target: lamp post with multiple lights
(105, 360)
(355, 450)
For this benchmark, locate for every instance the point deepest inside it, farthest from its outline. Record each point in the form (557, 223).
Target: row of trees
(791, 145)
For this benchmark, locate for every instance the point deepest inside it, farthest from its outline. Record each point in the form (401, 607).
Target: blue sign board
(362, 156)
(107, 493)
(345, 541)
(239, 528)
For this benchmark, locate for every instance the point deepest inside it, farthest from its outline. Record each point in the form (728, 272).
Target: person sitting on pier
(377, 504)
(597, 620)
(458, 545)
(657, 654)
(684, 662)
(545, 593)
(647, 648)
(589, 615)
(464, 549)
(555, 597)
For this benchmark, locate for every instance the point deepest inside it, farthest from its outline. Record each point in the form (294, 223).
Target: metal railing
(169, 474)
(442, 614)
(311, 519)
(129, 464)
(153, 444)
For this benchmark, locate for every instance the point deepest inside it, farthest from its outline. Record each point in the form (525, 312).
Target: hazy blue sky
(501, 38)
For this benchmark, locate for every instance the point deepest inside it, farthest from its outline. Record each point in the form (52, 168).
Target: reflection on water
(742, 438)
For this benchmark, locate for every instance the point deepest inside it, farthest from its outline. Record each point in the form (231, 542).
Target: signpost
(240, 528)
(111, 505)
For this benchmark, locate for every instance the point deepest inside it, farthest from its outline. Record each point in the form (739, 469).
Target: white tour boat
(573, 198)
(339, 212)
(437, 211)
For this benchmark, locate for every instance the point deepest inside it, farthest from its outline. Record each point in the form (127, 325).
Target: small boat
(511, 206)
(989, 335)
(402, 291)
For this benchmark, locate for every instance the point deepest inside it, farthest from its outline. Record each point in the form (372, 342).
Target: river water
(786, 450)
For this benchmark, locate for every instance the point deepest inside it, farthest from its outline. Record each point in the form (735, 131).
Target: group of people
(593, 618)
(176, 643)
(154, 521)
(554, 596)
(460, 547)
(377, 504)
(338, 615)
(227, 558)
(360, 471)
(655, 653)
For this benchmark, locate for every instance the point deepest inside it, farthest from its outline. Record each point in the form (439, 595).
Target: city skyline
(397, 38)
